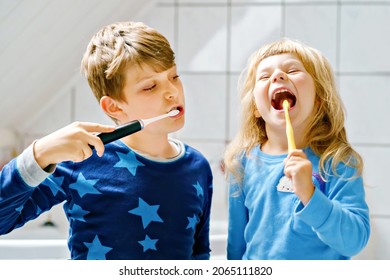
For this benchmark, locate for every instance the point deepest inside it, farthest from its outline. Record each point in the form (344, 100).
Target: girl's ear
(112, 108)
(257, 114)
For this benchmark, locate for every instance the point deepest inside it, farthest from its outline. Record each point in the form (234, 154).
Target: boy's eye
(150, 88)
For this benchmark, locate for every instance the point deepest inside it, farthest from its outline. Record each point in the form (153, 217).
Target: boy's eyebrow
(140, 78)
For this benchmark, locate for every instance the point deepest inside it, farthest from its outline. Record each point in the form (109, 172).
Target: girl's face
(148, 94)
(281, 77)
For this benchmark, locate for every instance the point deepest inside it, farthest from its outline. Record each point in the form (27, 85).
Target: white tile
(351, 2)
(252, 27)
(315, 25)
(376, 177)
(312, 1)
(267, 2)
(205, 107)
(366, 99)
(364, 44)
(200, 2)
(162, 18)
(202, 38)
(235, 107)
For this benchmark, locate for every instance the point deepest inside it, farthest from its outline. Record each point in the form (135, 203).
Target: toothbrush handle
(121, 131)
(289, 133)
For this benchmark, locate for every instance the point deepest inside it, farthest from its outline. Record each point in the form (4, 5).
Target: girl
(308, 203)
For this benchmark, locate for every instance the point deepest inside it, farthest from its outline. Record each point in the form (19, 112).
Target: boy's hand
(70, 143)
(299, 169)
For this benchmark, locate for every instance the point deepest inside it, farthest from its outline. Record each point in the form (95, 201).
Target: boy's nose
(171, 96)
(171, 92)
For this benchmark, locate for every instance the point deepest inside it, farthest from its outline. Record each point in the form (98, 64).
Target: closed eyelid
(263, 77)
(149, 87)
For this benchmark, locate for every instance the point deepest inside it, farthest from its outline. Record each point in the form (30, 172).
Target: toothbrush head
(286, 105)
(173, 113)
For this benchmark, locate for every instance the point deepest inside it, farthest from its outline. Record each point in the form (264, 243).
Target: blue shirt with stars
(123, 205)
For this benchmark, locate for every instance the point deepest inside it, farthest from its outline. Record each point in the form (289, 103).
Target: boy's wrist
(40, 157)
(28, 168)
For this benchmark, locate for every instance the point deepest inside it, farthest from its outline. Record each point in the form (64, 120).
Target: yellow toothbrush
(289, 128)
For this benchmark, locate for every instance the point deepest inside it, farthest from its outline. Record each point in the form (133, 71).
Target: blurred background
(42, 90)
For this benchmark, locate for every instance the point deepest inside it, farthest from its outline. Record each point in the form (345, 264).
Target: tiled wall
(213, 40)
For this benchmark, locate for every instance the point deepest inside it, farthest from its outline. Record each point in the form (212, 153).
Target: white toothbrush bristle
(173, 113)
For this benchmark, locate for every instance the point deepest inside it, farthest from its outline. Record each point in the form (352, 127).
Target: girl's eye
(263, 78)
(176, 77)
(292, 71)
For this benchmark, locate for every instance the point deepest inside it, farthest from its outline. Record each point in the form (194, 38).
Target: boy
(147, 196)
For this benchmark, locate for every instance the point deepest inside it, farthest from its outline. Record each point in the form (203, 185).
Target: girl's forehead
(278, 60)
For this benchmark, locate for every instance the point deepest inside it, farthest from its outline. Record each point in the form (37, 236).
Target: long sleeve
(20, 198)
(340, 220)
(238, 219)
(201, 250)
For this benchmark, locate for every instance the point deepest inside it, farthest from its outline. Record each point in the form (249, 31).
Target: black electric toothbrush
(131, 127)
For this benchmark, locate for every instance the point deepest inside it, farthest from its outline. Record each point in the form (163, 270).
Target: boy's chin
(177, 127)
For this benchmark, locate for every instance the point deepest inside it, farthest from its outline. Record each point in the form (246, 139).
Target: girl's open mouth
(281, 95)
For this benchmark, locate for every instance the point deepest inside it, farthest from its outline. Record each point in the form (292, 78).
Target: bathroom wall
(212, 41)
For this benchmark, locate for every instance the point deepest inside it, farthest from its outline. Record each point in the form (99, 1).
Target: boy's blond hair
(325, 134)
(118, 46)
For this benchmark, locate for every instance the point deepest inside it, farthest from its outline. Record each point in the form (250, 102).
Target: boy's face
(282, 77)
(147, 94)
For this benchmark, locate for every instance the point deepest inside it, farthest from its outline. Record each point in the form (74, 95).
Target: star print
(54, 183)
(96, 251)
(192, 222)
(148, 244)
(19, 209)
(199, 189)
(78, 213)
(128, 161)
(84, 186)
(147, 212)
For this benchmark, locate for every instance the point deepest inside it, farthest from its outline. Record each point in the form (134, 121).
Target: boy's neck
(155, 146)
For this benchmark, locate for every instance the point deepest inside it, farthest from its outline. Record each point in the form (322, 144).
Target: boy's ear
(112, 108)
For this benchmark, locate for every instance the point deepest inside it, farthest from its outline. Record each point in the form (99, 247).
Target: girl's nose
(279, 75)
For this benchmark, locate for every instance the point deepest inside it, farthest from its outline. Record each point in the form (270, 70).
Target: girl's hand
(299, 170)
(70, 143)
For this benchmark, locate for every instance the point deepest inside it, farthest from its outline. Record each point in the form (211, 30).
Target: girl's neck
(277, 141)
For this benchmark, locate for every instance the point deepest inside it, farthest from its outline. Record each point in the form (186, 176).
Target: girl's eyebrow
(288, 62)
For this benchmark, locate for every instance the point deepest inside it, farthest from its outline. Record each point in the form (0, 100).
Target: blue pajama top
(121, 206)
(268, 221)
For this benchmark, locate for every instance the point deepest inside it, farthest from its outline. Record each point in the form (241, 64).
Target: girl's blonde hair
(121, 45)
(325, 134)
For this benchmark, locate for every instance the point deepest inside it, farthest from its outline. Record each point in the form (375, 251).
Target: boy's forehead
(141, 72)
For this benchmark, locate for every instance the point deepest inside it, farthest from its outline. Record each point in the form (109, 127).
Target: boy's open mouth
(180, 109)
(281, 95)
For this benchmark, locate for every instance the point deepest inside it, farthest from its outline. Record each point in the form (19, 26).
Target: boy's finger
(95, 127)
(97, 144)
